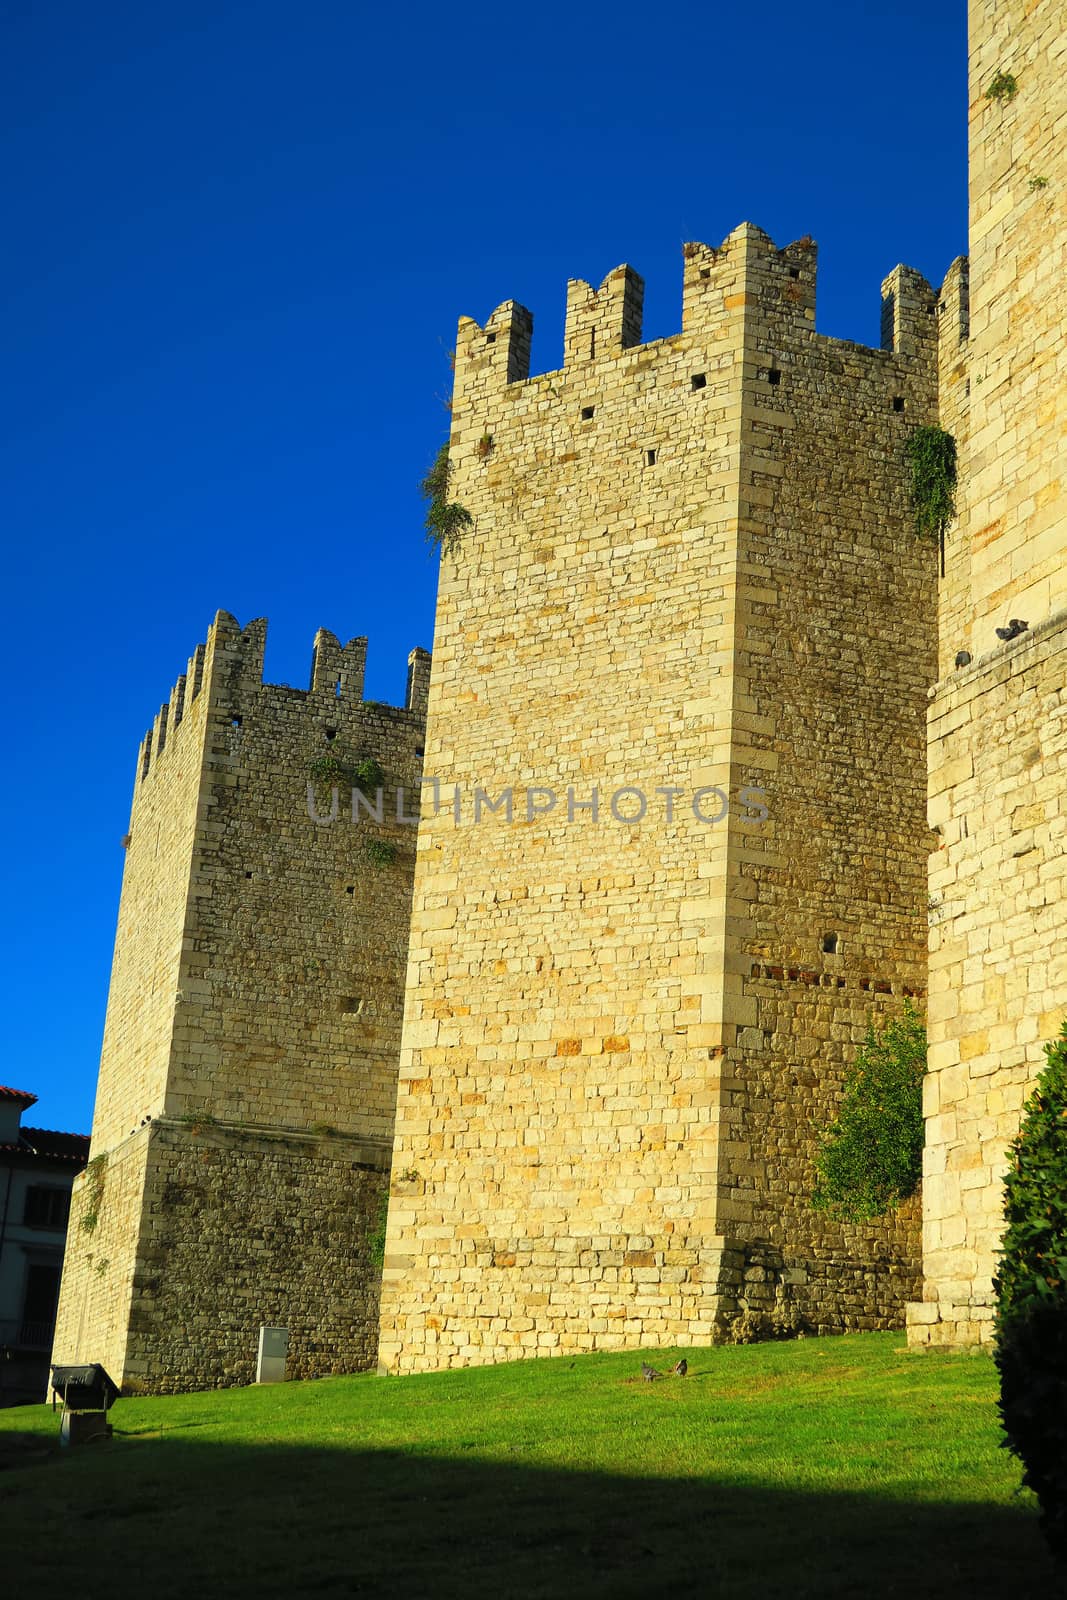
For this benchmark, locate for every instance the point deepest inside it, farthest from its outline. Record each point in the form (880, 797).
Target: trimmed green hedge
(1031, 1289)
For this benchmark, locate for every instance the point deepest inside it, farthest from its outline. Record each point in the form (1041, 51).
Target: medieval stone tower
(998, 715)
(244, 1115)
(693, 587)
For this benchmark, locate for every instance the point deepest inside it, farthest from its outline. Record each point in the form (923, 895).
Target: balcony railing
(24, 1334)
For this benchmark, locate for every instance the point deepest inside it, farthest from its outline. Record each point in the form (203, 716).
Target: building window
(38, 1322)
(46, 1208)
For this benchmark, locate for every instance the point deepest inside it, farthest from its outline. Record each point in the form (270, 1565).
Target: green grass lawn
(826, 1467)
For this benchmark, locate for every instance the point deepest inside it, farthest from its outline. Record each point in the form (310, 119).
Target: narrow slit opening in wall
(829, 944)
(698, 380)
(587, 413)
(898, 402)
(592, 344)
(650, 457)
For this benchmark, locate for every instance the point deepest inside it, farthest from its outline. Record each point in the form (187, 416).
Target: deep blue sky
(238, 238)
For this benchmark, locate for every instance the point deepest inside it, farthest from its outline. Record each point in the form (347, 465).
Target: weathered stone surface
(998, 745)
(248, 1077)
(692, 565)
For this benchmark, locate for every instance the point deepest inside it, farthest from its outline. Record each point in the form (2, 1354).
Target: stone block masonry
(244, 1117)
(674, 859)
(998, 955)
(997, 749)
(692, 568)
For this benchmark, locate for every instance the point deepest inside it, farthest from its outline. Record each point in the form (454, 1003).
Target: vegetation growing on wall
(1002, 88)
(931, 454)
(1031, 1289)
(870, 1158)
(332, 770)
(446, 521)
(376, 1242)
(95, 1175)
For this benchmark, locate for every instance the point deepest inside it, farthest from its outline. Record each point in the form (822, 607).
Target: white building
(37, 1169)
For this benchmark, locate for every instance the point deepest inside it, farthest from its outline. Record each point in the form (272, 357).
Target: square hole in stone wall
(650, 457)
(587, 413)
(698, 381)
(898, 402)
(830, 944)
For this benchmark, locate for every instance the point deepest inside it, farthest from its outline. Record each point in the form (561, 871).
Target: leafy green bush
(380, 852)
(1031, 1289)
(332, 770)
(446, 522)
(1003, 87)
(367, 776)
(931, 454)
(870, 1158)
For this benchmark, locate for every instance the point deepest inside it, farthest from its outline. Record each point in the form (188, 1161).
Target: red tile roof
(22, 1095)
(56, 1146)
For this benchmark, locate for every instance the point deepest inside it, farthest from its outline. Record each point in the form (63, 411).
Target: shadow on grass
(142, 1517)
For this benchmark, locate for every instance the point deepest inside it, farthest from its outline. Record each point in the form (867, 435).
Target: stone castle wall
(832, 668)
(1018, 316)
(617, 1033)
(998, 955)
(692, 568)
(274, 995)
(997, 755)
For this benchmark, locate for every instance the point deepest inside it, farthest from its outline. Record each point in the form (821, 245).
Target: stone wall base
(231, 1227)
(933, 1323)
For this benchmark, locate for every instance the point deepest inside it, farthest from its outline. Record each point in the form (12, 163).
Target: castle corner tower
(244, 1114)
(677, 856)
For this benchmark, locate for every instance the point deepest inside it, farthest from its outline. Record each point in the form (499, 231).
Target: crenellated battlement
(746, 276)
(225, 673)
(954, 307)
(604, 321)
(909, 307)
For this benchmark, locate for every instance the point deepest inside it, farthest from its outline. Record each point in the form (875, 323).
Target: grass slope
(828, 1467)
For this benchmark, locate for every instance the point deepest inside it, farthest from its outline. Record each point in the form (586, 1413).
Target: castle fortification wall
(831, 673)
(617, 1031)
(256, 1084)
(998, 959)
(1018, 317)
